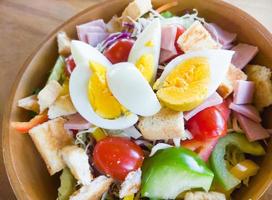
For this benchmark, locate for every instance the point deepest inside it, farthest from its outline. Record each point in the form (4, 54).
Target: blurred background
(25, 23)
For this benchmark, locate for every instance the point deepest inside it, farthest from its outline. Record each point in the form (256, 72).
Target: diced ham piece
(224, 37)
(243, 92)
(253, 130)
(166, 55)
(76, 122)
(95, 38)
(92, 32)
(228, 46)
(243, 54)
(248, 111)
(213, 100)
(168, 38)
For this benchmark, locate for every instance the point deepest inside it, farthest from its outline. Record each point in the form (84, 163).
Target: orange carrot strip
(167, 6)
(24, 127)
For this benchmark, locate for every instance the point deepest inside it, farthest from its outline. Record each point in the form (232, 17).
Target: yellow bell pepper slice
(130, 197)
(244, 169)
(99, 134)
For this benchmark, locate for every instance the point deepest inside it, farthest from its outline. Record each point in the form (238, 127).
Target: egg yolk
(100, 97)
(145, 65)
(186, 86)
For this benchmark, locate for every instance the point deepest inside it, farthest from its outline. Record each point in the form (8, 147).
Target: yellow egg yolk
(145, 65)
(186, 86)
(100, 97)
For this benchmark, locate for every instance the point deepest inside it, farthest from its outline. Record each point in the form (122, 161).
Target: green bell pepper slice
(67, 185)
(217, 161)
(57, 72)
(173, 170)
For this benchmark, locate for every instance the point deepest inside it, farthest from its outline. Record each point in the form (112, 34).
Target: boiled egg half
(90, 90)
(146, 50)
(191, 78)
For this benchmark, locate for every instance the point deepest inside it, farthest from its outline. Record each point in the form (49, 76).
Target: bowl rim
(8, 163)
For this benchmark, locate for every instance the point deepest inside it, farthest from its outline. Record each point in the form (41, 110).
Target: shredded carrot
(24, 127)
(167, 6)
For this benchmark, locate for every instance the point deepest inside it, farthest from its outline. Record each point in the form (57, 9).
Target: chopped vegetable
(167, 14)
(98, 134)
(117, 157)
(244, 169)
(208, 123)
(130, 197)
(67, 185)
(58, 70)
(177, 169)
(119, 51)
(24, 127)
(203, 148)
(218, 164)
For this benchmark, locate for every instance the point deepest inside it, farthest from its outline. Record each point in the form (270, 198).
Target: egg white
(219, 61)
(78, 86)
(151, 33)
(83, 53)
(132, 90)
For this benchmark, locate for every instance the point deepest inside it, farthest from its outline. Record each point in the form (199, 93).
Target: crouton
(49, 138)
(64, 44)
(132, 184)
(136, 9)
(234, 74)
(29, 103)
(196, 37)
(261, 76)
(48, 95)
(94, 191)
(166, 124)
(204, 196)
(63, 106)
(78, 162)
(114, 25)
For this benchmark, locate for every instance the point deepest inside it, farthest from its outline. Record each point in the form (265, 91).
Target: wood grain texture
(25, 23)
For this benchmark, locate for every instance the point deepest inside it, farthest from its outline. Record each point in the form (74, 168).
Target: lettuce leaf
(57, 72)
(67, 185)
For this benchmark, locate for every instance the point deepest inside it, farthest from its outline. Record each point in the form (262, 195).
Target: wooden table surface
(25, 23)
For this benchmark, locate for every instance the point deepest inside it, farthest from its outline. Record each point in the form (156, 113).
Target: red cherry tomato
(224, 109)
(119, 51)
(180, 31)
(203, 148)
(210, 122)
(117, 156)
(70, 65)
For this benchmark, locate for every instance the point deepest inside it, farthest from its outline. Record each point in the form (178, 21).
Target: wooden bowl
(26, 170)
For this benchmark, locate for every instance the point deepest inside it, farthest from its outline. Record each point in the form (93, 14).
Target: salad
(150, 105)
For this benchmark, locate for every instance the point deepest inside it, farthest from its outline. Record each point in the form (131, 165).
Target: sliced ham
(94, 38)
(99, 22)
(166, 55)
(248, 111)
(168, 38)
(243, 92)
(96, 27)
(213, 100)
(76, 122)
(224, 37)
(244, 53)
(83, 30)
(253, 130)
(228, 46)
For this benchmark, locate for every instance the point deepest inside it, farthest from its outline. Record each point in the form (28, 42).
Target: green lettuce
(67, 185)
